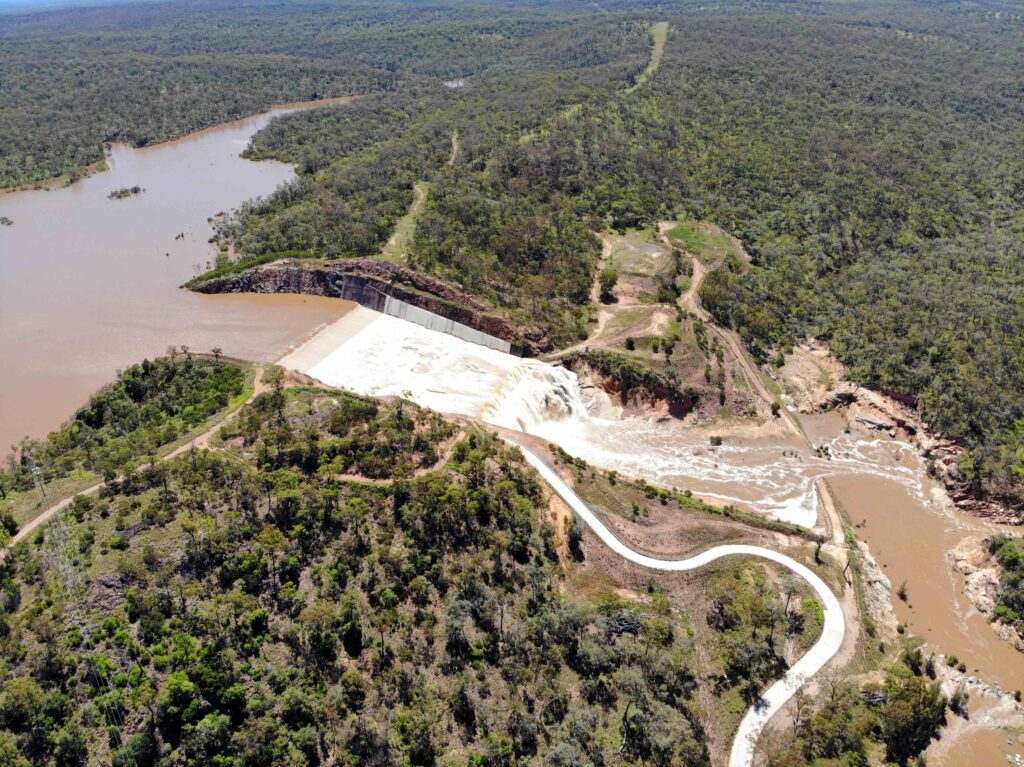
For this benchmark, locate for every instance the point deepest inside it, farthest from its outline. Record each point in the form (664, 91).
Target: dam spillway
(381, 355)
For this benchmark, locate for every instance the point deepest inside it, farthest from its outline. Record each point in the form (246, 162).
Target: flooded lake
(89, 284)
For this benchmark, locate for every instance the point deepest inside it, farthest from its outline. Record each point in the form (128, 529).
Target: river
(89, 284)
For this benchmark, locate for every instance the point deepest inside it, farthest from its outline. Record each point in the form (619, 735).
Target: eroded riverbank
(880, 481)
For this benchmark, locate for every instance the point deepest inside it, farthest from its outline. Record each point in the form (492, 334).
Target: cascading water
(881, 481)
(535, 393)
(390, 357)
(779, 480)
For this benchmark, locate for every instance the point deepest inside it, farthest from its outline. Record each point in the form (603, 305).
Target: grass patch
(705, 241)
(25, 505)
(637, 252)
(659, 34)
(397, 246)
(628, 319)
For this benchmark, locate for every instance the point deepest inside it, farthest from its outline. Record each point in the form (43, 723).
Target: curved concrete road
(774, 697)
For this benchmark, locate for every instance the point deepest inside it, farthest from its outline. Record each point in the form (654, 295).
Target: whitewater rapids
(379, 355)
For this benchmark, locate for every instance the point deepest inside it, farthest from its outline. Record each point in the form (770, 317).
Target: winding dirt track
(199, 441)
(690, 301)
(775, 697)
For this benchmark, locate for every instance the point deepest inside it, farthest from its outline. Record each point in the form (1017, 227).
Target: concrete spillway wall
(365, 293)
(410, 313)
(393, 292)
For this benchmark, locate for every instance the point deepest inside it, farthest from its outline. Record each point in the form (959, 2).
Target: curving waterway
(89, 284)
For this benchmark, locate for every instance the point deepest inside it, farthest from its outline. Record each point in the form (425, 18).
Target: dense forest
(73, 79)
(341, 580)
(869, 160)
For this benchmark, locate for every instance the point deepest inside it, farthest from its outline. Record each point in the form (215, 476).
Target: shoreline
(879, 412)
(99, 166)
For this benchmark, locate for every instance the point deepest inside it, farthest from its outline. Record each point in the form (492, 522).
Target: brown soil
(816, 382)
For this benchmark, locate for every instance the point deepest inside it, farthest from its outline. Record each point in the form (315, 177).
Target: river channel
(89, 284)
(881, 482)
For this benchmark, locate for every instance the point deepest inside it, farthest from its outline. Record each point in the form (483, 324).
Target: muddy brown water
(902, 514)
(978, 748)
(911, 542)
(89, 285)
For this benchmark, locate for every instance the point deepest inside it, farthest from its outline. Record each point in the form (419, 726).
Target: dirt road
(199, 442)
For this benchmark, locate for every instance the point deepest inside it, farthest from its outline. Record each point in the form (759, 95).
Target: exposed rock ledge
(982, 574)
(642, 389)
(364, 279)
(816, 382)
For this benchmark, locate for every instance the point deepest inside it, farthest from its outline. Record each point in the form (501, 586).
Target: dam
(381, 355)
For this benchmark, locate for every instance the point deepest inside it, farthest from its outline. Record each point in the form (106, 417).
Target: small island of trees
(128, 191)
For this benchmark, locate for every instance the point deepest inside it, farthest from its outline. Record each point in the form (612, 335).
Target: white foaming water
(391, 357)
(536, 393)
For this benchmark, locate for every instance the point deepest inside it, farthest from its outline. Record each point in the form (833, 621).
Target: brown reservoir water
(89, 285)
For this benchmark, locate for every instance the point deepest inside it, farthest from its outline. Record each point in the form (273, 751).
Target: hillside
(337, 579)
(870, 168)
(868, 159)
(343, 580)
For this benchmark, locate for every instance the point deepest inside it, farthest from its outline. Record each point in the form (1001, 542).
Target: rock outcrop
(641, 388)
(982, 575)
(366, 281)
(816, 382)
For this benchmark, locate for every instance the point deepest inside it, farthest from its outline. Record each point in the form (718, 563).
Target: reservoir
(89, 284)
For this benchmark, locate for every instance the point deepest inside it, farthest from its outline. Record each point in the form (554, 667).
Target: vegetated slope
(878, 186)
(871, 166)
(145, 72)
(149, 406)
(343, 582)
(524, 248)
